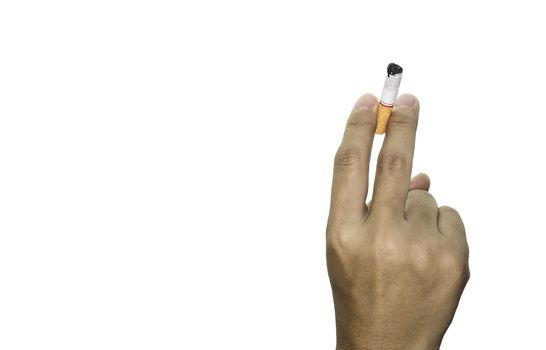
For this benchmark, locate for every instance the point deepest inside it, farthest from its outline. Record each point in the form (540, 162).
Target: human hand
(398, 265)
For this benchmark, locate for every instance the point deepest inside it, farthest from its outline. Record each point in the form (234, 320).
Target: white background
(165, 166)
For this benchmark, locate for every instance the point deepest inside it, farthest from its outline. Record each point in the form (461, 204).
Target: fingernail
(365, 103)
(405, 101)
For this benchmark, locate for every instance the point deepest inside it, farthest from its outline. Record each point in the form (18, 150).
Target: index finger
(350, 180)
(392, 178)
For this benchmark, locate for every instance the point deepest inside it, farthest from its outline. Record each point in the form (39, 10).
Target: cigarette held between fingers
(388, 97)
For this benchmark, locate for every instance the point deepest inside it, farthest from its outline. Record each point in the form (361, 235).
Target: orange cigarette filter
(388, 97)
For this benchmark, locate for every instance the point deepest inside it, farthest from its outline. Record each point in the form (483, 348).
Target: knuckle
(452, 217)
(390, 250)
(466, 251)
(454, 265)
(392, 163)
(361, 120)
(421, 198)
(450, 211)
(340, 246)
(404, 118)
(349, 158)
(337, 242)
(421, 261)
(466, 276)
(419, 194)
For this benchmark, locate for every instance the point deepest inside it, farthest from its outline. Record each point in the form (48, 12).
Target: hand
(398, 265)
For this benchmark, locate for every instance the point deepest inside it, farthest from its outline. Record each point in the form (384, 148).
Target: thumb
(420, 181)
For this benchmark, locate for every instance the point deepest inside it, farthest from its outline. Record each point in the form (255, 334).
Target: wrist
(384, 342)
(353, 332)
(379, 345)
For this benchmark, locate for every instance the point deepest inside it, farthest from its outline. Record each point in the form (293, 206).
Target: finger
(395, 158)
(452, 227)
(450, 222)
(421, 208)
(351, 165)
(420, 181)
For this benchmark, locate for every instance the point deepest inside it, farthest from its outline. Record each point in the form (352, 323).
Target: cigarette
(388, 97)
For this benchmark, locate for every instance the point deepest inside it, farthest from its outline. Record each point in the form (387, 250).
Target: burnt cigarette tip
(393, 68)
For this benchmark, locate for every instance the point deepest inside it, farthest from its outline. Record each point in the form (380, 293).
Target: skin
(397, 265)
